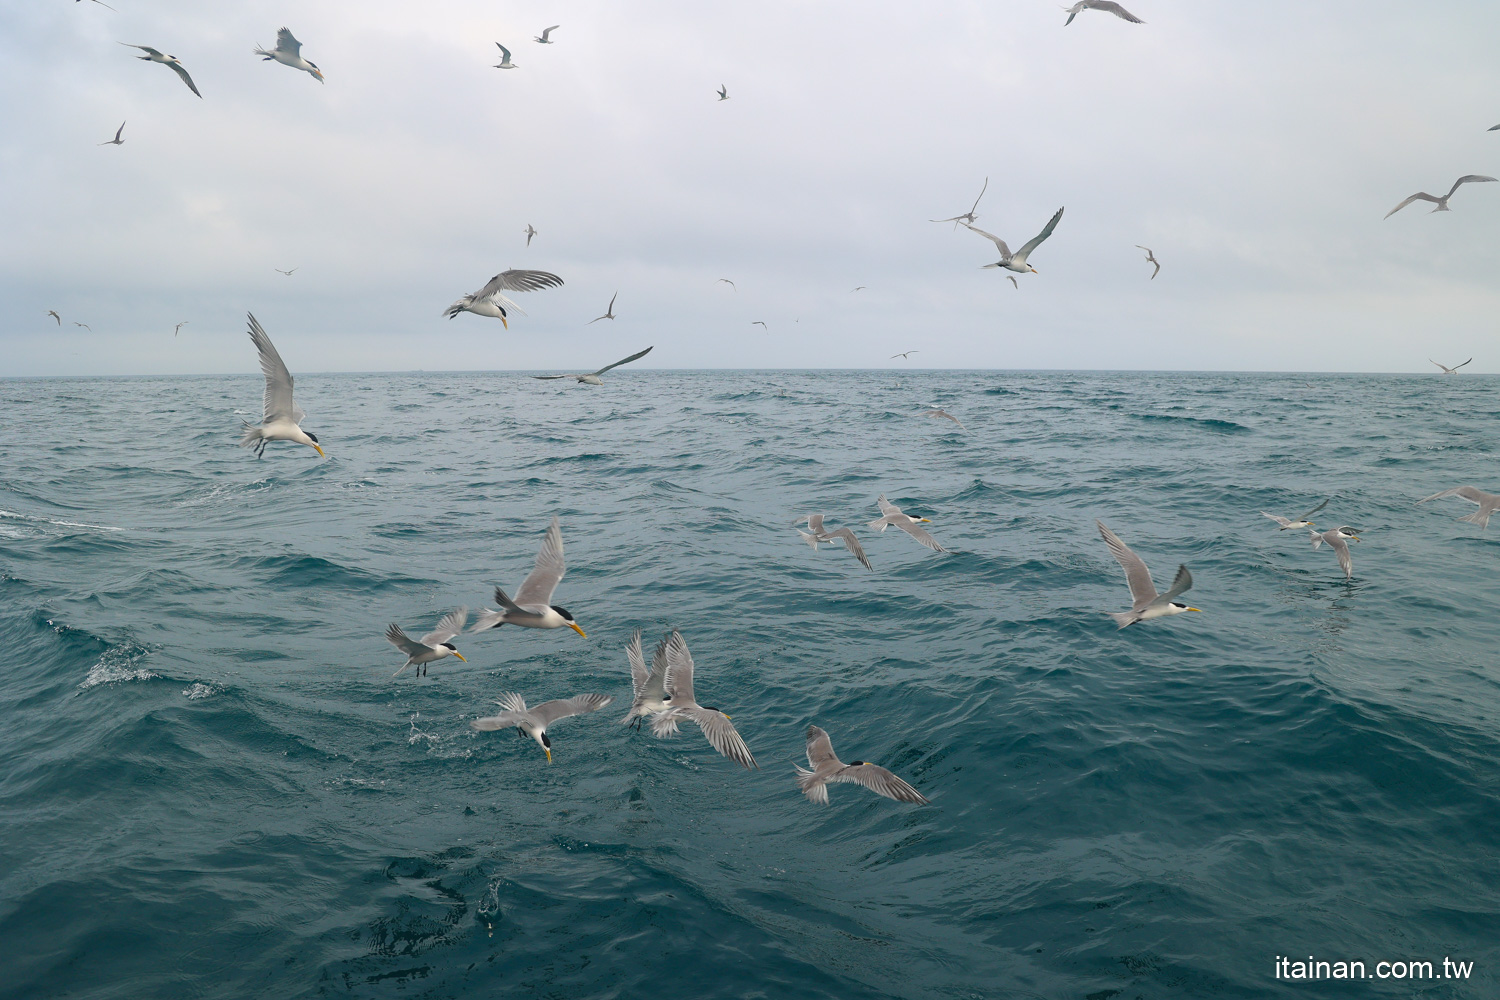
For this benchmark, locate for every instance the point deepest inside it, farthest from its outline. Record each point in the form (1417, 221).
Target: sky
(1254, 147)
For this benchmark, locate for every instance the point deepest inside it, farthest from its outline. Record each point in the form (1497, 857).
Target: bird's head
(1183, 607)
(1349, 533)
(546, 745)
(857, 763)
(313, 438)
(454, 650)
(1032, 269)
(316, 72)
(567, 616)
(710, 708)
(924, 520)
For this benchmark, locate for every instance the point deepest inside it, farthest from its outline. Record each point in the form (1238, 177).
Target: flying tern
(729, 283)
(723, 93)
(433, 646)
(1447, 370)
(489, 300)
(283, 418)
(54, 315)
(1017, 261)
(171, 62)
(84, 325)
(649, 686)
(903, 354)
(1108, 6)
(288, 52)
(684, 707)
(592, 378)
(816, 533)
(504, 62)
(100, 3)
(1441, 203)
(287, 273)
(534, 722)
(178, 328)
(760, 323)
(608, 313)
(1146, 602)
(1488, 503)
(116, 141)
(860, 288)
(968, 216)
(938, 412)
(533, 607)
(1300, 522)
(530, 232)
(891, 516)
(827, 769)
(546, 36)
(1151, 259)
(1338, 540)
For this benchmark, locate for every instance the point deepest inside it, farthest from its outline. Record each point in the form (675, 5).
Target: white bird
(283, 418)
(546, 36)
(891, 516)
(608, 313)
(178, 328)
(592, 378)
(84, 325)
(715, 724)
(723, 93)
(1013, 282)
(827, 768)
(530, 232)
(287, 273)
(116, 141)
(1338, 539)
(649, 686)
(1301, 522)
(816, 534)
(171, 62)
(1441, 203)
(533, 607)
(288, 52)
(534, 722)
(1151, 259)
(938, 412)
(1447, 370)
(489, 300)
(1108, 6)
(1146, 603)
(433, 646)
(504, 62)
(968, 216)
(860, 288)
(1488, 503)
(1017, 261)
(54, 315)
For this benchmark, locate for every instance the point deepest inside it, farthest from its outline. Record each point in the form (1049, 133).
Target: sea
(213, 786)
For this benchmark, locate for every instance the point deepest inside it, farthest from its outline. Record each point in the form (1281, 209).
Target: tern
(546, 36)
(1017, 261)
(288, 52)
(1146, 602)
(84, 325)
(827, 768)
(903, 354)
(533, 607)
(504, 62)
(1301, 522)
(714, 723)
(1441, 203)
(968, 216)
(530, 232)
(1013, 282)
(1338, 539)
(54, 315)
(431, 647)
(723, 93)
(489, 301)
(649, 686)
(729, 283)
(1105, 5)
(534, 722)
(287, 273)
(116, 141)
(178, 328)
(858, 288)
(816, 534)
(938, 412)
(760, 323)
(592, 378)
(283, 418)
(891, 516)
(1447, 370)
(1488, 503)
(171, 62)
(1151, 259)
(608, 313)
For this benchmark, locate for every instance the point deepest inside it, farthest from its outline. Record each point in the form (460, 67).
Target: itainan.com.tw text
(1311, 968)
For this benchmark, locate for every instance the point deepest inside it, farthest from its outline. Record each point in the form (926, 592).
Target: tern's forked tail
(813, 786)
(1123, 618)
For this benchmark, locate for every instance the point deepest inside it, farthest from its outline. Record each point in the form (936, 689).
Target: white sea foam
(65, 524)
(118, 664)
(199, 691)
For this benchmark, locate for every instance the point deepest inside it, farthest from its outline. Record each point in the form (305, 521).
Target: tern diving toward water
(684, 707)
(608, 313)
(1151, 259)
(534, 722)
(1301, 522)
(1441, 203)
(968, 216)
(288, 52)
(1146, 602)
(592, 378)
(827, 769)
(649, 686)
(1338, 540)
(533, 607)
(116, 141)
(1488, 503)
(283, 418)
(939, 412)
(546, 36)
(816, 534)
(1447, 370)
(489, 300)
(504, 62)
(1017, 261)
(1108, 6)
(891, 516)
(171, 62)
(433, 646)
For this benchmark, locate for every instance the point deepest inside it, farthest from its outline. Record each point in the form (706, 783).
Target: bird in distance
(968, 216)
(1441, 203)
(288, 52)
(489, 300)
(171, 62)
(1017, 261)
(116, 141)
(592, 378)
(1108, 6)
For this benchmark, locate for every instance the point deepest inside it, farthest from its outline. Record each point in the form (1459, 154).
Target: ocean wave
(119, 664)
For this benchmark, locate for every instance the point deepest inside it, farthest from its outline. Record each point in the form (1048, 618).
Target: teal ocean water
(213, 787)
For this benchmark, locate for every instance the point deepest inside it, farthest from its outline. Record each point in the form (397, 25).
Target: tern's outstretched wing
(1036, 240)
(1182, 582)
(1310, 513)
(921, 536)
(721, 733)
(624, 361)
(396, 637)
(878, 779)
(285, 42)
(820, 748)
(451, 625)
(518, 281)
(1419, 196)
(886, 507)
(851, 543)
(548, 571)
(1137, 576)
(177, 68)
(549, 712)
(1283, 521)
(278, 398)
(679, 677)
(999, 243)
(1466, 179)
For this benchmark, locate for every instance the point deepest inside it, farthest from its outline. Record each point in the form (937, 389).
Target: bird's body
(938, 412)
(1338, 540)
(715, 725)
(1300, 522)
(816, 533)
(892, 517)
(828, 769)
(490, 300)
(592, 378)
(1151, 259)
(1146, 603)
(968, 216)
(723, 92)
(1441, 203)
(533, 722)
(116, 141)
(1488, 503)
(171, 62)
(530, 232)
(1017, 261)
(282, 418)
(1447, 370)
(608, 313)
(504, 62)
(288, 52)
(533, 607)
(545, 37)
(433, 646)
(649, 686)
(1108, 6)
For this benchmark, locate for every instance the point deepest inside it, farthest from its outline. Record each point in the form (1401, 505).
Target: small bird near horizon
(534, 722)
(1446, 369)
(504, 62)
(84, 325)
(1108, 6)
(936, 411)
(1301, 522)
(1017, 261)
(816, 534)
(433, 646)
(171, 62)
(729, 283)
(288, 52)
(1337, 539)
(891, 516)
(760, 323)
(903, 354)
(1146, 603)
(1151, 259)
(116, 141)
(287, 273)
(649, 687)
(282, 419)
(533, 607)
(1488, 503)
(545, 37)
(1441, 203)
(858, 288)
(608, 313)
(827, 768)
(178, 328)
(968, 216)
(716, 726)
(489, 300)
(592, 378)
(529, 233)
(54, 315)
(723, 92)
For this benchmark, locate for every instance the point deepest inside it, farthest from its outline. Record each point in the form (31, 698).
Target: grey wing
(722, 734)
(504, 57)
(402, 641)
(954, 419)
(518, 281)
(548, 571)
(549, 712)
(505, 720)
(999, 243)
(177, 68)
(1469, 493)
(625, 361)
(1137, 576)
(553, 376)
(679, 675)
(878, 779)
(278, 398)
(1310, 513)
(1455, 367)
(638, 675)
(820, 748)
(1419, 196)
(1284, 522)
(451, 624)
(1465, 179)
(1036, 240)
(921, 536)
(814, 523)
(1116, 9)
(1182, 582)
(656, 684)
(285, 42)
(144, 48)
(886, 507)
(852, 544)
(1341, 550)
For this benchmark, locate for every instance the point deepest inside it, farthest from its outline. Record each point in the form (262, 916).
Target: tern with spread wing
(649, 686)
(1151, 259)
(533, 722)
(116, 141)
(939, 412)
(433, 646)
(1441, 203)
(171, 62)
(533, 607)
(968, 216)
(723, 92)
(1108, 6)
(685, 708)
(817, 533)
(530, 232)
(490, 300)
(283, 418)
(288, 52)
(1301, 522)
(891, 516)
(546, 36)
(904, 354)
(1446, 369)
(1146, 603)
(1338, 540)
(1017, 261)
(828, 769)
(54, 315)
(608, 313)
(592, 378)
(504, 62)
(1488, 503)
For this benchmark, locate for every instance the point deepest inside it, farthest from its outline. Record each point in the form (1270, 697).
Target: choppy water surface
(214, 788)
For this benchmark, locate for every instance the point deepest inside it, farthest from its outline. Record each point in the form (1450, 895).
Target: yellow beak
(503, 323)
(1195, 609)
(575, 628)
(924, 520)
(549, 754)
(320, 450)
(459, 655)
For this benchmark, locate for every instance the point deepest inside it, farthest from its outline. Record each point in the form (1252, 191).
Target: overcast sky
(1254, 146)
